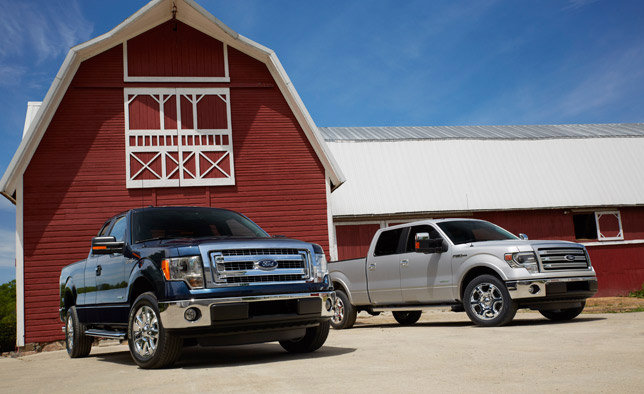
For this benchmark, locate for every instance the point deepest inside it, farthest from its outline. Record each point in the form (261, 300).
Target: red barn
(171, 107)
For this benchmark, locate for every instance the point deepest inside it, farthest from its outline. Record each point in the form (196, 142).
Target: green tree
(8, 316)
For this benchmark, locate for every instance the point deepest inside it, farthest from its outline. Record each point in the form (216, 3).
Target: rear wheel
(407, 318)
(151, 346)
(344, 314)
(310, 342)
(487, 302)
(563, 314)
(77, 343)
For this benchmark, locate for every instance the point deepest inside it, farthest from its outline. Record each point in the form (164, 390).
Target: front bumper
(241, 311)
(543, 289)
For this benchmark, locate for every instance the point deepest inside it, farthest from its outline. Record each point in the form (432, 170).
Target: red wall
(77, 177)
(620, 268)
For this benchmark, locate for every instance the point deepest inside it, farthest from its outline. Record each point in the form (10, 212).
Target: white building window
(178, 137)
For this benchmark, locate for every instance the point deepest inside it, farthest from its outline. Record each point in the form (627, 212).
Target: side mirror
(424, 244)
(106, 245)
(523, 236)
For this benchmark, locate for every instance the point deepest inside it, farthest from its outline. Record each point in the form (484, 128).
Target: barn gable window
(178, 137)
(602, 225)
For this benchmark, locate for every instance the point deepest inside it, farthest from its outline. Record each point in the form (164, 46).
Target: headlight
(527, 260)
(189, 269)
(320, 269)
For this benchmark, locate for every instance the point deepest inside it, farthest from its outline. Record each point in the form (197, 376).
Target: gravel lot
(595, 353)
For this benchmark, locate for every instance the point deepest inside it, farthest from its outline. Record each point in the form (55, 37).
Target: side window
(118, 230)
(104, 229)
(424, 228)
(388, 242)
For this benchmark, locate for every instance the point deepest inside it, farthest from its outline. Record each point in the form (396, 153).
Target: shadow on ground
(230, 356)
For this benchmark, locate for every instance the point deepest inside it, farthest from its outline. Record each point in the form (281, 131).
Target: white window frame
(602, 237)
(161, 95)
(127, 78)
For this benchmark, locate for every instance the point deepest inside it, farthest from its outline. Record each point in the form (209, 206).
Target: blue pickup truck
(163, 277)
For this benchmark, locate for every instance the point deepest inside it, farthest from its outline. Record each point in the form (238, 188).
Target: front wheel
(563, 314)
(487, 302)
(151, 346)
(77, 343)
(407, 318)
(310, 342)
(344, 314)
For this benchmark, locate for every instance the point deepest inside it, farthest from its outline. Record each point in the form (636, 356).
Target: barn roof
(151, 15)
(396, 133)
(403, 170)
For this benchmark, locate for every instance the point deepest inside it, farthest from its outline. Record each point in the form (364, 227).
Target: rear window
(388, 242)
(169, 223)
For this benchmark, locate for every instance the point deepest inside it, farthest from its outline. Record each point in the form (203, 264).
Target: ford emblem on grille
(266, 265)
(569, 257)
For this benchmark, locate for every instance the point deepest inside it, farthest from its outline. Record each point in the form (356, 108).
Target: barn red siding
(353, 240)
(174, 49)
(77, 177)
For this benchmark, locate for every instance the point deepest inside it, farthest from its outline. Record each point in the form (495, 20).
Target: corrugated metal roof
(483, 132)
(393, 177)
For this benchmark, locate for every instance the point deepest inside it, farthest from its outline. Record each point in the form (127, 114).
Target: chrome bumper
(539, 287)
(172, 313)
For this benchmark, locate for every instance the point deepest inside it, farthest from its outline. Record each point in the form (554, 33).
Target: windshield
(465, 231)
(166, 223)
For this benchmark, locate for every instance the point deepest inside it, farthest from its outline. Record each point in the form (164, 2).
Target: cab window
(423, 228)
(118, 229)
(388, 242)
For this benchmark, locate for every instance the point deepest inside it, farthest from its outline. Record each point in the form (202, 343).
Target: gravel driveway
(442, 353)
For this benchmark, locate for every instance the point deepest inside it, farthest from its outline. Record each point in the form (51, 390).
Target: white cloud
(575, 4)
(41, 30)
(7, 248)
(6, 205)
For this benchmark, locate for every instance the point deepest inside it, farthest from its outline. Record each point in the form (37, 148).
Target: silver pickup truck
(470, 265)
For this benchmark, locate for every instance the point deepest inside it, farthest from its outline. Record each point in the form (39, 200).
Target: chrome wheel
(338, 311)
(486, 301)
(145, 331)
(70, 333)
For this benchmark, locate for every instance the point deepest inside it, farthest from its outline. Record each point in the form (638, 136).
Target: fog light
(329, 304)
(534, 289)
(192, 314)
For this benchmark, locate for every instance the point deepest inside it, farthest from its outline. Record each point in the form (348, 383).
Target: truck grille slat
(553, 259)
(242, 266)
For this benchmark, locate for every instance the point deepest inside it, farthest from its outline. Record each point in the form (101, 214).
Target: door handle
(404, 263)
(99, 269)
(372, 267)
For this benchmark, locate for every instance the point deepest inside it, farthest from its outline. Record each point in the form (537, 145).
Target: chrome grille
(242, 266)
(553, 259)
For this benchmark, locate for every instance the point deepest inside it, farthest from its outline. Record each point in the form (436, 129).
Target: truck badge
(266, 265)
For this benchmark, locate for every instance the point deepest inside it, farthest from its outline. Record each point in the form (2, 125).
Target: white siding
(461, 175)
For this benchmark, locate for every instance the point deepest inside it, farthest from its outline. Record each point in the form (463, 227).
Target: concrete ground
(444, 352)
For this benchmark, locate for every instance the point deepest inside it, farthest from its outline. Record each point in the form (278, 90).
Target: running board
(105, 334)
(404, 308)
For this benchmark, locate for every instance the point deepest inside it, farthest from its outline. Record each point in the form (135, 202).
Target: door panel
(383, 269)
(111, 282)
(425, 278)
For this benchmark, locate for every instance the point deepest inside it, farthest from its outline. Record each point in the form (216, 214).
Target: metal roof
(483, 132)
(411, 176)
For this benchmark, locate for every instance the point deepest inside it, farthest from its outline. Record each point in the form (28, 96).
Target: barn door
(178, 137)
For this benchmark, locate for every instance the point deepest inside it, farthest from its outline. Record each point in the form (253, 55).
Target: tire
(344, 315)
(151, 346)
(407, 318)
(311, 341)
(77, 343)
(564, 314)
(487, 302)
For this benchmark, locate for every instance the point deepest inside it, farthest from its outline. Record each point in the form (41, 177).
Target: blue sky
(376, 63)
